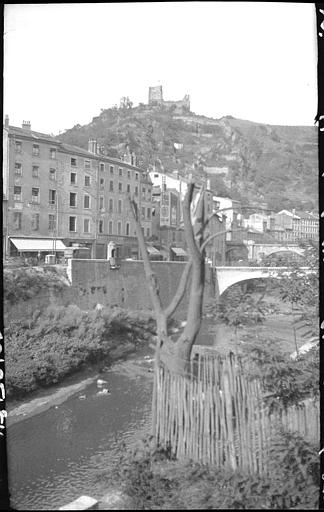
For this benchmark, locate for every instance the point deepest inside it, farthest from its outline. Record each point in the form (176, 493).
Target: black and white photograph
(160, 240)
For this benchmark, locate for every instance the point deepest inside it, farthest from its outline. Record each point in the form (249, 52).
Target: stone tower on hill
(155, 95)
(156, 98)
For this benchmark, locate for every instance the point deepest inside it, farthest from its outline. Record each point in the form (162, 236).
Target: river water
(62, 453)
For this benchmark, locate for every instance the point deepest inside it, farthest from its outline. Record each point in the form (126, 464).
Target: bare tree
(176, 354)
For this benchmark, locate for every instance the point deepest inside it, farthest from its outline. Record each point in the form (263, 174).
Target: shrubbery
(285, 381)
(57, 342)
(23, 284)
(156, 482)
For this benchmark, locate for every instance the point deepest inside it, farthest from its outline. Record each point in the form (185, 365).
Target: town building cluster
(65, 200)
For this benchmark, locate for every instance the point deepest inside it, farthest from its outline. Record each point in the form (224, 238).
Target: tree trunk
(176, 355)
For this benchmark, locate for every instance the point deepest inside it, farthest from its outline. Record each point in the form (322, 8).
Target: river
(62, 453)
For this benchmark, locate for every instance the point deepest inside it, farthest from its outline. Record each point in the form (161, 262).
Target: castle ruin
(156, 98)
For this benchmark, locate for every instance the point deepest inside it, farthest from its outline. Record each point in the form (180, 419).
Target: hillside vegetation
(252, 162)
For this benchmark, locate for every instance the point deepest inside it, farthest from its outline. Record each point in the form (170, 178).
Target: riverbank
(43, 403)
(43, 399)
(61, 341)
(67, 450)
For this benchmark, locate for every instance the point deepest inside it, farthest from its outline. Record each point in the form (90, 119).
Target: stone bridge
(227, 276)
(257, 251)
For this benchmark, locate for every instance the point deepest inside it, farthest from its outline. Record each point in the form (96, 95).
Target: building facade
(56, 191)
(299, 225)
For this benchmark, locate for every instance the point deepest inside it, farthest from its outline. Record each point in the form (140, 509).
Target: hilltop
(245, 160)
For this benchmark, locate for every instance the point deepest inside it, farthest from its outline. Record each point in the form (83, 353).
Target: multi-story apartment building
(299, 225)
(63, 195)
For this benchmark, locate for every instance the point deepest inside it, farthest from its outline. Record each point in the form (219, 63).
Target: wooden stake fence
(217, 416)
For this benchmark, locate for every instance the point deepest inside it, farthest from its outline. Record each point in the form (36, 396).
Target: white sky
(64, 62)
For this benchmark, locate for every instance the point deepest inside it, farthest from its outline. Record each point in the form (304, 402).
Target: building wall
(5, 163)
(104, 181)
(179, 105)
(156, 97)
(93, 282)
(155, 94)
(170, 182)
(230, 207)
(257, 220)
(127, 286)
(85, 169)
(26, 181)
(299, 226)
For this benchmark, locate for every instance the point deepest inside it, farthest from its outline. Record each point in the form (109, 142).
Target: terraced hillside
(243, 159)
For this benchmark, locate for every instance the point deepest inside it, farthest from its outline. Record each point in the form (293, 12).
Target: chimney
(7, 121)
(26, 125)
(294, 211)
(92, 146)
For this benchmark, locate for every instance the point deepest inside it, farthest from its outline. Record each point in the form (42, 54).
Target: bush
(285, 381)
(60, 340)
(154, 481)
(23, 284)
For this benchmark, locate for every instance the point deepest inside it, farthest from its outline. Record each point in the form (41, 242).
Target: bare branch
(180, 291)
(189, 233)
(214, 235)
(150, 276)
(192, 327)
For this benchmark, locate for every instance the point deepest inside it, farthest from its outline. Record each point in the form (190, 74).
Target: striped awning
(178, 251)
(38, 244)
(152, 250)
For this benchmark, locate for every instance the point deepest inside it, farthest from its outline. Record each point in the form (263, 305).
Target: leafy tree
(125, 103)
(285, 381)
(237, 309)
(301, 289)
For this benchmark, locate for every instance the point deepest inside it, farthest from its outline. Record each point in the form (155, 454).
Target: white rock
(82, 503)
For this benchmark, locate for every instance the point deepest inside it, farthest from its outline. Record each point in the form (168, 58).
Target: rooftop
(27, 133)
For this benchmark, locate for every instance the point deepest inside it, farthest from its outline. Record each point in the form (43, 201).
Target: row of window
(72, 224)
(121, 171)
(73, 200)
(146, 212)
(74, 161)
(87, 180)
(35, 199)
(17, 221)
(119, 231)
(35, 171)
(35, 150)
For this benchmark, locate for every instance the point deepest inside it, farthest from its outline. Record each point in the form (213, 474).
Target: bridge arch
(246, 279)
(300, 252)
(228, 276)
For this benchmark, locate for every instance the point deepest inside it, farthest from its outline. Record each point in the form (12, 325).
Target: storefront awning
(152, 250)
(178, 251)
(37, 245)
